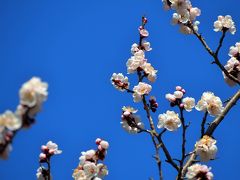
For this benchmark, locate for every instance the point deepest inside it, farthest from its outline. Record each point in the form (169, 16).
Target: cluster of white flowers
(120, 82)
(131, 122)
(89, 168)
(199, 172)
(176, 99)
(169, 120)
(32, 94)
(140, 90)
(225, 23)
(138, 62)
(48, 151)
(211, 103)
(206, 148)
(233, 64)
(185, 14)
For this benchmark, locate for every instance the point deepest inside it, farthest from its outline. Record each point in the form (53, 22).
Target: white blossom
(234, 51)
(225, 23)
(199, 172)
(169, 120)
(150, 71)
(140, 90)
(233, 68)
(206, 148)
(188, 103)
(146, 45)
(53, 148)
(10, 120)
(136, 61)
(120, 82)
(33, 92)
(211, 103)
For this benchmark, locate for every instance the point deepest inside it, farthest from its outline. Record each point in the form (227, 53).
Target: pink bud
(42, 156)
(181, 105)
(100, 148)
(98, 140)
(44, 148)
(183, 91)
(178, 88)
(104, 144)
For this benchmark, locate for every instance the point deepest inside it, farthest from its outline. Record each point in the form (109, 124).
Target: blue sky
(75, 46)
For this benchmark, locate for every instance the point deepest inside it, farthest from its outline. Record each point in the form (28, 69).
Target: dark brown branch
(212, 127)
(215, 54)
(184, 128)
(203, 124)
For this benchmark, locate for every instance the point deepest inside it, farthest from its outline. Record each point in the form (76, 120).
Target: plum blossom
(169, 120)
(150, 71)
(89, 167)
(211, 103)
(146, 45)
(53, 148)
(33, 92)
(233, 68)
(10, 120)
(206, 148)
(199, 172)
(140, 90)
(234, 51)
(131, 122)
(225, 23)
(120, 82)
(188, 103)
(136, 61)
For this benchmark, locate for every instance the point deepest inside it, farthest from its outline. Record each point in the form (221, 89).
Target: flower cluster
(206, 148)
(89, 167)
(169, 120)
(233, 64)
(210, 103)
(120, 82)
(199, 172)
(32, 94)
(185, 15)
(176, 99)
(48, 151)
(131, 122)
(225, 23)
(138, 62)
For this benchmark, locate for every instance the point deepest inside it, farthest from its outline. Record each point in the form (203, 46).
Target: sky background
(75, 46)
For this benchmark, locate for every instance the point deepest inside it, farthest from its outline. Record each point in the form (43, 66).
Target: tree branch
(212, 127)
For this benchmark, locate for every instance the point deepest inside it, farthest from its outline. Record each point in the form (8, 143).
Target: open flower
(150, 71)
(206, 148)
(136, 61)
(225, 23)
(33, 92)
(131, 122)
(10, 120)
(53, 148)
(199, 172)
(140, 90)
(211, 103)
(169, 120)
(120, 82)
(233, 68)
(188, 103)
